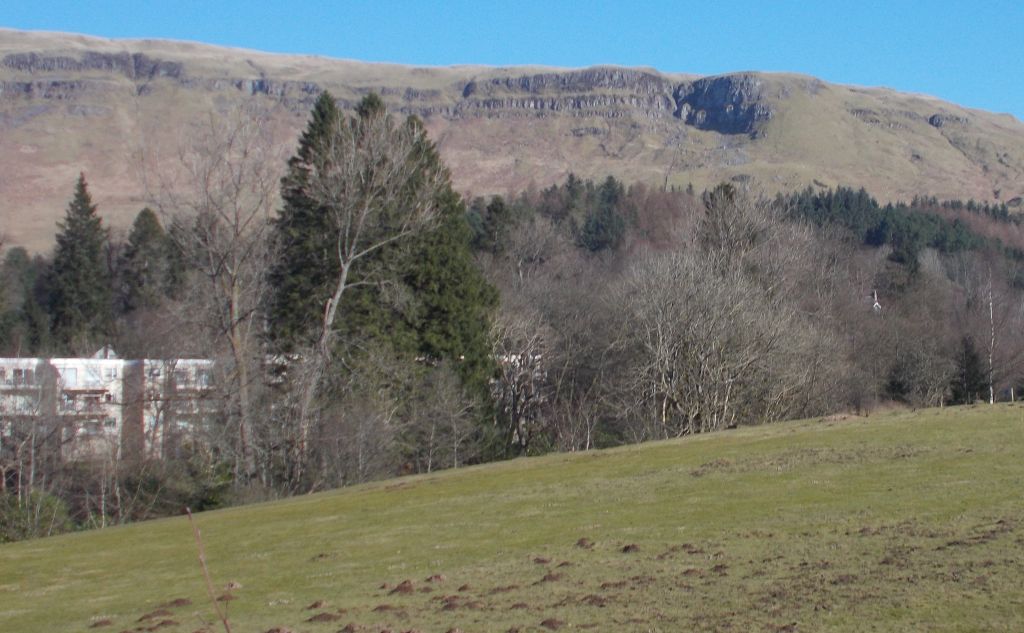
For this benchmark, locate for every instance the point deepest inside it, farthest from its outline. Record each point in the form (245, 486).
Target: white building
(104, 405)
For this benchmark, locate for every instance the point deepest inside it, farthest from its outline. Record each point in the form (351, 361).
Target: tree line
(368, 321)
(723, 308)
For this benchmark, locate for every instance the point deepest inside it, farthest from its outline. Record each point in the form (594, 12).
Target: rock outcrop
(131, 65)
(730, 104)
(942, 120)
(73, 103)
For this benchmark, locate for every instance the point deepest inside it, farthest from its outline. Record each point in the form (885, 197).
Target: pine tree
(420, 295)
(454, 303)
(969, 379)
(489, 224)
(79, 281)
(603, 228)
(24, 325)
(302, 269)
(363, 253)
(148, 270)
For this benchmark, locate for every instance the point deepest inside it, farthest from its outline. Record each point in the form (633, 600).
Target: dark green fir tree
(79, 282)
(302, 269)
(148, 270)
(420, 296)
(969, 379)
(454, 303)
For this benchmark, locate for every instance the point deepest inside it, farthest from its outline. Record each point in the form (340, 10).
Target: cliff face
(131, 65)
(70, 104)
(729, 105)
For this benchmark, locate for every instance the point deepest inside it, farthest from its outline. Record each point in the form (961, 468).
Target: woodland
(368, 321)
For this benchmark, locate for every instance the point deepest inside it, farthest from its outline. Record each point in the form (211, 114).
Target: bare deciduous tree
(520, 391)
(709, 334)
(992, 310)
(221, 198)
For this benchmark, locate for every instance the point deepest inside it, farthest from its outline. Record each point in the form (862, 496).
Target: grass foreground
(894, 522)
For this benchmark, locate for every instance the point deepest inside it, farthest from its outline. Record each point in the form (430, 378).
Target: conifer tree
(454, 303)
(969, 379)
(372, 245)
(25, 328)
(147, 267)
(447, 315)
(490, 224)
(302, 269)
(79, 281)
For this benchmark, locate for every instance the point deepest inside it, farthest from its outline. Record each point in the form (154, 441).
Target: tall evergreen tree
(148, 270)
(454, 303)
(969, 380)
(302, 269)
(79, 282)
(24, 324)
(421, 295)
(360, 195)
(603, 228)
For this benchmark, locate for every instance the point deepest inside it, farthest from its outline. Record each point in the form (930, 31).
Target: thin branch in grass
(221, 613)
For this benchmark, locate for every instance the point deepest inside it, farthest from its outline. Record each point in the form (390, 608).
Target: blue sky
(971, 53)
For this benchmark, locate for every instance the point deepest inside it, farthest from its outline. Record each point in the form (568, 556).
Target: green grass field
(895, 522)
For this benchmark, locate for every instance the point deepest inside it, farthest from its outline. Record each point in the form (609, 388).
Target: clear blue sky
(967, 52)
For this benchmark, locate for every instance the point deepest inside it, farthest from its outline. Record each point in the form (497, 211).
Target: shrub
(37, 514)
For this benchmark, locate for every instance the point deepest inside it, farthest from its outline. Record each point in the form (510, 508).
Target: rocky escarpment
(54, 89)
(73, 103)
(942, 120)
(292, 93)
(539, 106)
(139, 68)
(727, 104)
(587, 80)
(593, 92)
(730, 104)
(131, 65)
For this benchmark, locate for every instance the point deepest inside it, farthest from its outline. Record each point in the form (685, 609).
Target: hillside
(114, 109)
(897, 522)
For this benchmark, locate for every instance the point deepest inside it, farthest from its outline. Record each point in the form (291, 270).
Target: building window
(93, 377)
(67, 402)
(181, 376)
(23, 377)
(110, 373)
(3, 375)
(204, 377)
(69, 376)
(110, 423)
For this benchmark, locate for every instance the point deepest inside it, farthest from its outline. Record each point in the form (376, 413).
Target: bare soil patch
(404, 587)
(152, 615)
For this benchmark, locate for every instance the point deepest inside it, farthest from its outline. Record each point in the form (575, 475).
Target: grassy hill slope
(898, 522)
